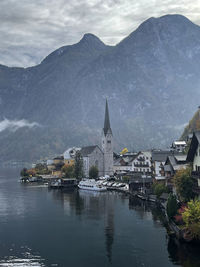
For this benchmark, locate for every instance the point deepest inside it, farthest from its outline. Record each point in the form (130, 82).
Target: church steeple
(107, 144)
(107, 128)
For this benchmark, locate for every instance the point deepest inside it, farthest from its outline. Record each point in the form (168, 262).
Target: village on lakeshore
(168, 177)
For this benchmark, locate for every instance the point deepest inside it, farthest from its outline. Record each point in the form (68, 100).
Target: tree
(68, 171)
(184, 184)
(78, 166)
(172, 206)
(93, 172)
(191, 218)
(158, 189)
(24, 172)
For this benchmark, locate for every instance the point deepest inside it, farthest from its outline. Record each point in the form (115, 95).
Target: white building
(178, 146)
(142, 162)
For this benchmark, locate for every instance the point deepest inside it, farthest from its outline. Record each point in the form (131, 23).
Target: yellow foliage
(124, 151)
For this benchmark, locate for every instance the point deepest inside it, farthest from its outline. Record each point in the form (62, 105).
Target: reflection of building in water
(92, 205)
(142, 208)
(109, 227)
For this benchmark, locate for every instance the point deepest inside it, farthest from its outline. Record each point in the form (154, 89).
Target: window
(109, 142)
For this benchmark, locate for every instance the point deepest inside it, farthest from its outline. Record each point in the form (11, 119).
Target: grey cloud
(30, 30)
(14, 125)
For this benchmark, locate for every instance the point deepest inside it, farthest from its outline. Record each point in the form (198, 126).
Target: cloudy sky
(31, 29)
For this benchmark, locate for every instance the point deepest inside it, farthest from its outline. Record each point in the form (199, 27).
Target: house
(69, 155)
(194, 158)
(140, 182)
(158, 160)
(142, 162)
(58, 160)
(178, 146)
(174, 163)
(123, 163)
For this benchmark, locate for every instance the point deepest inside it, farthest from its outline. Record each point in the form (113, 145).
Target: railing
(141, 165)
(141, 159)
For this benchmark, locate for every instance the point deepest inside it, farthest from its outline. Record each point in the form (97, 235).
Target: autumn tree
(191, 218)
(184, 184)
(158, 189)
(24, 172)
(68, 171)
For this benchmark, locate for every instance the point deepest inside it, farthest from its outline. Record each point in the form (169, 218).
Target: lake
(42, 227)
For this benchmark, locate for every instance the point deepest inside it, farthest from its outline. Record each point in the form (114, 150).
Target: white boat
(91, 184)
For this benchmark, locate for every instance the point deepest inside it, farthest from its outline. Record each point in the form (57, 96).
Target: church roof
(107, 128)
(85, 151)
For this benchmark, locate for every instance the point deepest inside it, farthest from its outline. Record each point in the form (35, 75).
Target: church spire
(107, 128)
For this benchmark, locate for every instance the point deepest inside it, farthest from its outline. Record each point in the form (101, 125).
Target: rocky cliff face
(151, 80)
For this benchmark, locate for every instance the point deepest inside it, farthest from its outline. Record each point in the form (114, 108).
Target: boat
(63, 183)
(91, 184)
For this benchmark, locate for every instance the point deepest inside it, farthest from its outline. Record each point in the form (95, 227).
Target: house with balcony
(158, 161)
(123, 163)
(178, 146)
(142, 163)
(193, 157)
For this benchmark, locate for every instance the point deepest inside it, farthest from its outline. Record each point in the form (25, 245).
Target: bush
(191, 218)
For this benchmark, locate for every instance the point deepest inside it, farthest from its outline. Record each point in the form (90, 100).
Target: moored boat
(90, 184)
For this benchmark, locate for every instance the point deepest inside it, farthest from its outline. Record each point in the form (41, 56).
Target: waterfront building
(92, 156)
(173, 164)
(142, 162)
(158, 161)
(102, 157)
(123, 163)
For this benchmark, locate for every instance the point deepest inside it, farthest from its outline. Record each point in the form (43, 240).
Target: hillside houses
(158, 161)
(194, 158)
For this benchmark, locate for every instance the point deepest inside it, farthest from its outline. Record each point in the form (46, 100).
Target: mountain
(151, 80)
(192, 126)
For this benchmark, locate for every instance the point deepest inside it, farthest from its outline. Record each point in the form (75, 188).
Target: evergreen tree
(172, 206)
(93, 172)
(78, 166)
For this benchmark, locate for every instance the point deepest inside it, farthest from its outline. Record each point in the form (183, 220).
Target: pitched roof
(180, 157)
(85, 151)
(107, 128)
(160, 155)
(193, 146)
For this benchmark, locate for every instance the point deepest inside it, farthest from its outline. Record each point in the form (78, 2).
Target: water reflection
(21, 256)
(183, 254)
(92, 205)
(41, 227)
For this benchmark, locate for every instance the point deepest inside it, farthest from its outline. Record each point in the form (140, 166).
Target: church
(102, 157)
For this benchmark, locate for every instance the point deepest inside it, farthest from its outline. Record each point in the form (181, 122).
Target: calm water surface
(39, 227)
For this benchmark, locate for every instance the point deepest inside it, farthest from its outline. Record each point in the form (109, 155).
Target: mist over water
(39, 227)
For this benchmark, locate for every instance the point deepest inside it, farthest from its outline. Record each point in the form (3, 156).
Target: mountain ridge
(148, 78)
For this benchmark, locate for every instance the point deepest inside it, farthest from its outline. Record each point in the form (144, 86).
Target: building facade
(102, 157)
